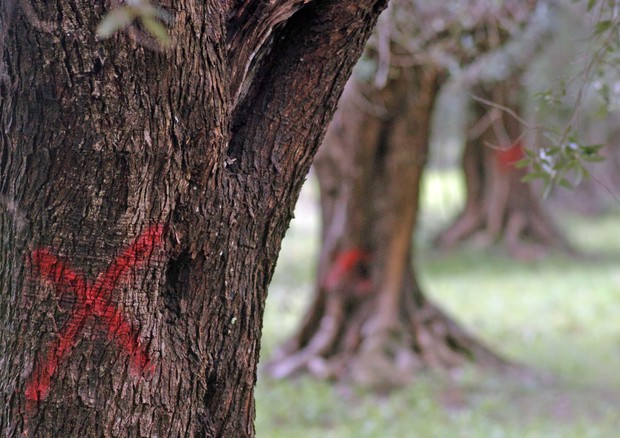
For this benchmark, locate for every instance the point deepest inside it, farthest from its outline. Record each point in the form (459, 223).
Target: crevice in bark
(499, 206)
(369, 321)
(251, 25)
(177, 274)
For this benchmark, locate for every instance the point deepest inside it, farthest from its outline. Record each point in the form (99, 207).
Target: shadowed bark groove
(499, 206)
(369, 321)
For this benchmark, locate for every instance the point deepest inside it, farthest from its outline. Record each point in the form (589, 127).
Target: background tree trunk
(499, 206)
(369, 320)
(135, 187)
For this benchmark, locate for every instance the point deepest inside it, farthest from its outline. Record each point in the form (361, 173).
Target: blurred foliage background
(559, 314)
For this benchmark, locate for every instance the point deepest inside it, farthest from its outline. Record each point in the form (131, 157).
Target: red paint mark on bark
(507, 158)
(344, 265)
(92, 299)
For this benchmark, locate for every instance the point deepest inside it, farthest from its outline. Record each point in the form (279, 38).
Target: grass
(560, 316)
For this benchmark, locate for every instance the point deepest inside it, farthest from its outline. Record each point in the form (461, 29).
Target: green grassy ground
(560, 316)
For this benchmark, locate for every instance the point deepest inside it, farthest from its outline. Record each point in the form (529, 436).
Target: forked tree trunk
(143, 199)
(369, 321)
(500, 207)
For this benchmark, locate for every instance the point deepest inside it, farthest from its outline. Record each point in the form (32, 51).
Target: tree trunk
(369, 321)
(143, 199)
(499, 206)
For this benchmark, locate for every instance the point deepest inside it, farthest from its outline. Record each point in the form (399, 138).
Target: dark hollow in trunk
(369, 321)
(500, 207)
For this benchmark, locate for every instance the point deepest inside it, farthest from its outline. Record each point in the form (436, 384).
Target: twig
(502, 108)
(607, 188)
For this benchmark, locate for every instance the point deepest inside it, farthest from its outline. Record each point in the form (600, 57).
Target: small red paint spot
(507, 158)
(344, 265)
(91, 300)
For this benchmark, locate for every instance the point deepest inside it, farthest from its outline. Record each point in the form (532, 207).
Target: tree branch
(248, 29)
(305, 68)
(507, 60)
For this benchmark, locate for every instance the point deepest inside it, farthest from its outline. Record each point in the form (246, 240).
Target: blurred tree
(576, 97)
(499, 204)
(369, 320)
(196, 154)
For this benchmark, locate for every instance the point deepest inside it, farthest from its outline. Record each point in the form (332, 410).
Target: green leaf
(566, 184)
(591, 149)
(579, 174)
(533, 176)
(547, 189)
(585, 172)
(593, 158)
(591, 4)
(602, 26)
(117, 19)
(522, 163)
(156, 29)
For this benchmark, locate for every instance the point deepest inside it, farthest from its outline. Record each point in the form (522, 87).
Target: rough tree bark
(499, 206)
(369, 321)
(144, 197)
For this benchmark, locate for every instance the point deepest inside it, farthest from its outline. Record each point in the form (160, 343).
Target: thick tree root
(350, 345)
(526, 234)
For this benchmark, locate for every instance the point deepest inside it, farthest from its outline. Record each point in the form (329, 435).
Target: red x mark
(345, 264)
(508, 157)
(91, 300)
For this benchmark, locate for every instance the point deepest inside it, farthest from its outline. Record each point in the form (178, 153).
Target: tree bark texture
(143, 199)
(369, 321)
(499, 206)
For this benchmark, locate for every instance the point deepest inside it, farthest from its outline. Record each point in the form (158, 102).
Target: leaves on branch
(562, 165)
(564, 162)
